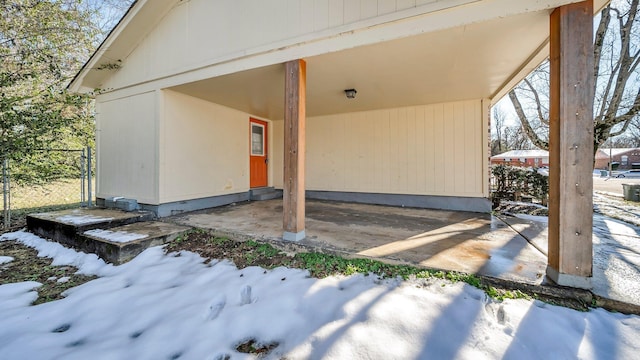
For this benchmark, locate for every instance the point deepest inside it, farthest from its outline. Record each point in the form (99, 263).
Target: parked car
(629, 174)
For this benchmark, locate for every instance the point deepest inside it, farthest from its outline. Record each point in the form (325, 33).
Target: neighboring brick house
(621, 159)
(523, 158)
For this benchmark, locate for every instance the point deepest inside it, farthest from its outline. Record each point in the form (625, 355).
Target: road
(612, 185)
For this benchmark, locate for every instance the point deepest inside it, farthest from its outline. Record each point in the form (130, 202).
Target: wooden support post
(570, 258)
(294, 149)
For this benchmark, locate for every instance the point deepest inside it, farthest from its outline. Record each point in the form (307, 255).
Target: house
(621, 158)
(523, 158)
(383, 102)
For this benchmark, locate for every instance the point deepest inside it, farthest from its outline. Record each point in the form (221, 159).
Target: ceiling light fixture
(351, 93)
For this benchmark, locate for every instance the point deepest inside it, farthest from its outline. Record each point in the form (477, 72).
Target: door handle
(266, 160)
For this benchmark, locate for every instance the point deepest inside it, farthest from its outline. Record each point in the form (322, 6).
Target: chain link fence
(48, 179)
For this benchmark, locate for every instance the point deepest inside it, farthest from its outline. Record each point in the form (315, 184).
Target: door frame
(265, 125)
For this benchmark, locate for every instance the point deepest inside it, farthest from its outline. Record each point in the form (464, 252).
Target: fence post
(6, 194)
(82, 179)
(89, 198)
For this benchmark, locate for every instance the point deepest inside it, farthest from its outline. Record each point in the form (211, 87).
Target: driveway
(612, 185)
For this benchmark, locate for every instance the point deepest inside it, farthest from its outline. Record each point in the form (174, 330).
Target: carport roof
(448, 55)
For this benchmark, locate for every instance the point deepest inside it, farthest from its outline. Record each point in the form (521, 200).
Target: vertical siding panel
(399, 132)
(349, 151)
(471, 116)
(386, 6)
(394, 167)
(377, 142)
(439, 148)
(479, 146)
(321, 14)
(368, 158)
(357, 140)
(423, 2)
(316, 155)
(405, 4)
(412, 149)
(368, 9)
(351, 11)
(459, 165)
(336, 13)
(293, 17)
(335, 176)
(430, 152)
(449, 149)
(343, 147)
(307, 17)
(403, 172)
(420, 162)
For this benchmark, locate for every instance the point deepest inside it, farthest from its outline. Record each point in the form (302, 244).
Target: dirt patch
(27, 266)
(241, 253)
(251, 346)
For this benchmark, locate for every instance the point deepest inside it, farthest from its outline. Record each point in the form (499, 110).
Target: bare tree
(617, 89)
(497, 127)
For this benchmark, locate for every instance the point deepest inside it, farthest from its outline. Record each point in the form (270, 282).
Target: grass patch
(27, 266)
(251, 346)
(319, 265)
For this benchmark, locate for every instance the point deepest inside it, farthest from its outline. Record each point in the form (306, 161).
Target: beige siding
(127, 148)
(204, 149)
(189, 36)
(431, 150)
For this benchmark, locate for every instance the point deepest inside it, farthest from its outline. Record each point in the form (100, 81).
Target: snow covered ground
(177, 307)
(615, 207)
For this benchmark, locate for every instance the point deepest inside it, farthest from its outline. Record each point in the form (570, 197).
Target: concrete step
(120, 244)
(68, 227)
(266, 193)
(63, 225)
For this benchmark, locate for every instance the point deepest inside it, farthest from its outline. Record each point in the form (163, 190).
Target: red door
(258, 153)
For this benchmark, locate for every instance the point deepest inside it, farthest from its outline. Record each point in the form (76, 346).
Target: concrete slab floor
(616, 255)
(449, 240)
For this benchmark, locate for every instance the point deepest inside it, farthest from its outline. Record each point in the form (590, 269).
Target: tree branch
(538, 103)
(531, 134)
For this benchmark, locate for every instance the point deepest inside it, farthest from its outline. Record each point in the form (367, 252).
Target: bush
(512, 183)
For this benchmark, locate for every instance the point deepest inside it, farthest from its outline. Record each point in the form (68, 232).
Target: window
(624, 159)
(257, 140)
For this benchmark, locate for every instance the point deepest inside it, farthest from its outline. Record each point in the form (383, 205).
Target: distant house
(523, 158)
(622, 158)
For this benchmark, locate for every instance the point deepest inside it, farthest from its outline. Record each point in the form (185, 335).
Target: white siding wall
(190, 34)
(204, 149)
(430, 150)
(127, 148)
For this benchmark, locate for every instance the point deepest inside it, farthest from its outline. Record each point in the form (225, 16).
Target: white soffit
(467, 62)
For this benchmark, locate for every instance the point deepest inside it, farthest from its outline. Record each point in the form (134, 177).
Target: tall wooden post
(571, 145)
(294, 149)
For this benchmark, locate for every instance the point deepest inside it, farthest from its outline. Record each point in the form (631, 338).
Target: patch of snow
(161, 306)
(615, 207)
(5, 259)
(115, 236)
(541, 219)
(63, 279)
(522, 203)
(82, 219)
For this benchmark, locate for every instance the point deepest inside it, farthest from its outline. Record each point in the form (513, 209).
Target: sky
(176, 306)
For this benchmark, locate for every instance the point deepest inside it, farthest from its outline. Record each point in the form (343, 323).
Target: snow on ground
(615, 207)
(115, 236)
(175, 306)
(82, 219)
(541, 219)
(5, 259)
